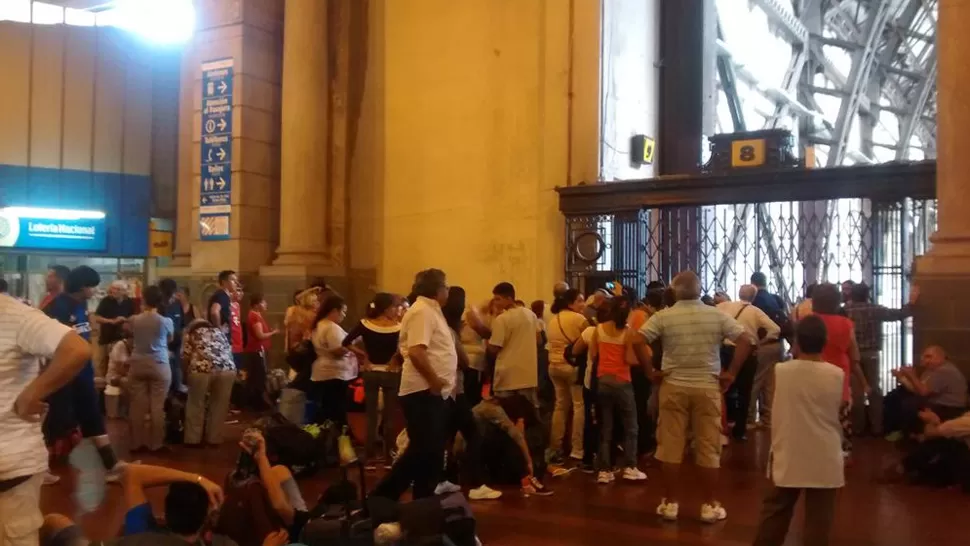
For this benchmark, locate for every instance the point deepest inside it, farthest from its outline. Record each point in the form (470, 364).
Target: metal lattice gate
(796, 243)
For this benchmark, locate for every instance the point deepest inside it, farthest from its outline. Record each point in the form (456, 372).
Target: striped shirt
(691, 333)
(26, 336)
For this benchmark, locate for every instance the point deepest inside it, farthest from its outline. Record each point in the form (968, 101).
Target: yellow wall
(466, 128)
(83, 98)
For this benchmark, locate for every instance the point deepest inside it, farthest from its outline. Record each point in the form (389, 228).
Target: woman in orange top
(841, 348)
(614, 389)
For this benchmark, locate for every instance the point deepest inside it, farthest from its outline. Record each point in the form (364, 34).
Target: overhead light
(159, 21)
(53, 214)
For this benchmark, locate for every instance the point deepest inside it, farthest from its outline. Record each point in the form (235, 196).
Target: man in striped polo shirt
(691, 334)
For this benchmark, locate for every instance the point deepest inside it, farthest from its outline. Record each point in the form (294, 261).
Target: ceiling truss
(891, 44)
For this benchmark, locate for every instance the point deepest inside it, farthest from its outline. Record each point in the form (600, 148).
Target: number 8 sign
(748, 153)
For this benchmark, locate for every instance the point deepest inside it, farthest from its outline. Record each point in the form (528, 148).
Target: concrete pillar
(945, 270)
(304, 154)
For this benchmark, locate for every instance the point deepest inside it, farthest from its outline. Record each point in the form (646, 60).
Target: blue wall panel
(124, 198)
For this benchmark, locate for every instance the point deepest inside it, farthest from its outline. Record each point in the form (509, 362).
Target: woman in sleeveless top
(840, 347)
(614, 389)
(374, 340)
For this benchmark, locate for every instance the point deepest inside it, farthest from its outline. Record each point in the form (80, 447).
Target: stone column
(184, 229)
(944, 271)
(304, 173)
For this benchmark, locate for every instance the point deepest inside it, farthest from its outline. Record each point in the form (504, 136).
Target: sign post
(215, 195)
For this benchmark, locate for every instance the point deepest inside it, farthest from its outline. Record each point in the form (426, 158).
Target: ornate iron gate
(796, 243)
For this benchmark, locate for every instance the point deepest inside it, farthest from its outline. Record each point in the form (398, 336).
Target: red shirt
(47, 299)
(253, 343)
(836, 351)
(235, 327)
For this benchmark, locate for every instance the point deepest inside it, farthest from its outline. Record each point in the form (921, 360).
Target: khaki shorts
(20, 516)
(694, 409)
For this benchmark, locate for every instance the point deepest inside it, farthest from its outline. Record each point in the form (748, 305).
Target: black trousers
(331, 399)
(939, 462)
(422, 462)
(460, 419)
(647, 430)
(739, 395)
(591, 428)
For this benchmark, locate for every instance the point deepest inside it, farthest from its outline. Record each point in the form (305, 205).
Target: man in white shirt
(691, 334)
(514, 342)
(26, 336)
(806, 442)
(427, 380)
(761, 328)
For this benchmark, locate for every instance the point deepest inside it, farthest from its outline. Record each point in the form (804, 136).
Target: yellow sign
(649, 145)
(748, 153)
(161, 244)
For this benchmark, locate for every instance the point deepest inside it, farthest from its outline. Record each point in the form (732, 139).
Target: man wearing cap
(111, 315)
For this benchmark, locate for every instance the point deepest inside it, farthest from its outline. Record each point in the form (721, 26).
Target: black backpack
(779, 317)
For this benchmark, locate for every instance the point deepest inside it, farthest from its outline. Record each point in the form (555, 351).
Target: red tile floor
(584, 513)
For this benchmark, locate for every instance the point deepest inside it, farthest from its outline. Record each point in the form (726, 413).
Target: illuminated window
(79, 17)
(47, 14)
(15, 10)
(157, 21)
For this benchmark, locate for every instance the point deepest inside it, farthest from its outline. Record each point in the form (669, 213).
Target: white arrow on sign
(222, 124)
(222, 87)
(221, 153)
(221, 183)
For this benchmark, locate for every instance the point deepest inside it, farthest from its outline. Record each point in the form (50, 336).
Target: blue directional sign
(215, 195)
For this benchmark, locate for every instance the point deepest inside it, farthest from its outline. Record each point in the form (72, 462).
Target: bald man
(691, 334)
(941, 387)
(559, 289)
(761, 328)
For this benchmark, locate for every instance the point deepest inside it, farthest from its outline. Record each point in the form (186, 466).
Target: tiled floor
(583, 513)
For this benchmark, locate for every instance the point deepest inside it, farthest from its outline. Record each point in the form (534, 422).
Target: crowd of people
(458, 394)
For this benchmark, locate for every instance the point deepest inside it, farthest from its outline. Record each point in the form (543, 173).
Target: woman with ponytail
(374, 340)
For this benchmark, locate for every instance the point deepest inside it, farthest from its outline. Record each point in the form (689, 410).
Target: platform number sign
(748, 153)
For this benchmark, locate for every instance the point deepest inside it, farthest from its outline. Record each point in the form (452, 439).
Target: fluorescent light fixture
(53, 214)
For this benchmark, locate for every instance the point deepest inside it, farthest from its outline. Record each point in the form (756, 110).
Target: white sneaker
(577, 455)
(668, 510)
(446, 487)
(51, 479)
(484, 493)
(713, 513)
(633, 474)
(605, 477)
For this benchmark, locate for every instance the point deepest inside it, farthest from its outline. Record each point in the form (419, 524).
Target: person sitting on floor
(941, 388)
(117, 373)
(189, 504)
(942, 456)
(262, 497)
(512, 442)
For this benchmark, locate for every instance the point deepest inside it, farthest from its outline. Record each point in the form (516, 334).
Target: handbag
(567, 354)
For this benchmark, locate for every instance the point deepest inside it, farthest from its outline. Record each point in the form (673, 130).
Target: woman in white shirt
(564, 329)
(335, 365)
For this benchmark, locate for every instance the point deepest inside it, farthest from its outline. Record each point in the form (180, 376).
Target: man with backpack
(769, 354)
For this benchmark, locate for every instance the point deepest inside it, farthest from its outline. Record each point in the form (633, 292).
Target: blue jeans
(615, 397)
